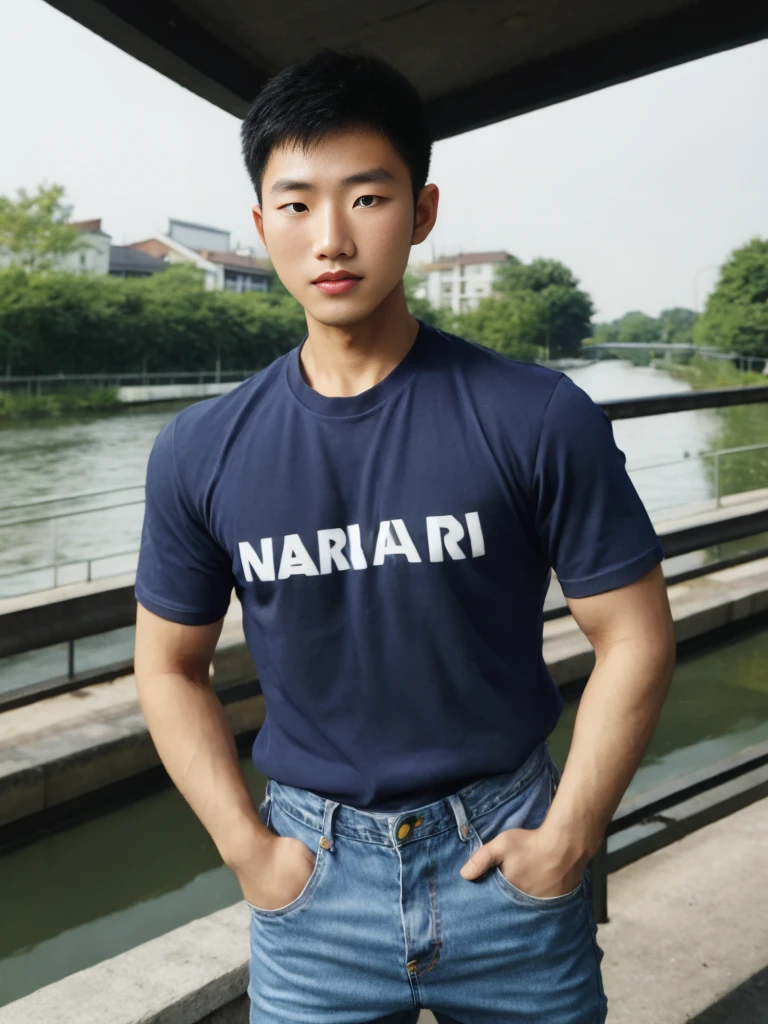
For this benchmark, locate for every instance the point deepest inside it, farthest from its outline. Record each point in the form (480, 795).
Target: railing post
(53, 552)
(71, 659)
(599, 871)
(717, 479)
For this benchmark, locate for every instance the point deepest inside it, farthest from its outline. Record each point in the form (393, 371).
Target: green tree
(422, 308)
(565, 311)
(73, 323)
(511, 324)
(736, 315)
(677, 325)
(34, 227)
(638, 328)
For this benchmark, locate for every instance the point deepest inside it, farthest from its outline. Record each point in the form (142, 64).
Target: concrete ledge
(142, 393)
(698, 606)
(196, 973)
(63, 747)
(688, 927)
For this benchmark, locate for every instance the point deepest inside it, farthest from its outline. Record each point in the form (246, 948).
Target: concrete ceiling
(474, 61)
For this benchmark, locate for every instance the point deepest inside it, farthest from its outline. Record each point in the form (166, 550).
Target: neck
(342, 361)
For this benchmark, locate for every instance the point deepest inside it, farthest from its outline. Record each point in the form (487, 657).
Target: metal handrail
(715, 451)
(69, 497)
(60, 378)
(54, 565)
(716, 455)
(88, 562)
(74, 512)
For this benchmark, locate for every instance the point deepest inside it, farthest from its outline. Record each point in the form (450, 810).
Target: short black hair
(330, 91)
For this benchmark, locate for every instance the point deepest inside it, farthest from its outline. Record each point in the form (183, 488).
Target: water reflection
(98, 888)
(56, 458)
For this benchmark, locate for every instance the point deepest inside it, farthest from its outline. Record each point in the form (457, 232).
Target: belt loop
(460, 813)
(326, 840)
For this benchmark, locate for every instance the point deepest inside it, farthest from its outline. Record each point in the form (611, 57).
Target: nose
(333, 237)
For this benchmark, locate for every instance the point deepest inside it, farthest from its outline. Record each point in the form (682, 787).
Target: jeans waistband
(332, 818)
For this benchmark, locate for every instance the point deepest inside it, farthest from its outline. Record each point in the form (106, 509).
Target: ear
(258, 220)
(425, 213)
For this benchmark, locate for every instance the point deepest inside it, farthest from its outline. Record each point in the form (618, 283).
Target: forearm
(195, 743)
(617, 714)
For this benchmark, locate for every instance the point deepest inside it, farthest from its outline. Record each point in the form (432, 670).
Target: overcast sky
(641, 189)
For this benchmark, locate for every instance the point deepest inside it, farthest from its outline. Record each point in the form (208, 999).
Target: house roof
(128, 259)
(464, 258)
(199, 227)
(236, 261)
(91, 227)
(473, 64)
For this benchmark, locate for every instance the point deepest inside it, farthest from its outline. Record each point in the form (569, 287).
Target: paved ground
(688, 935)
(687, 942)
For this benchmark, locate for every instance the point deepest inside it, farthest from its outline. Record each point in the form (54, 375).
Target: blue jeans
(386, 926)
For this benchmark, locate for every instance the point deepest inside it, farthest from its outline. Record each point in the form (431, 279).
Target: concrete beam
(688, 931)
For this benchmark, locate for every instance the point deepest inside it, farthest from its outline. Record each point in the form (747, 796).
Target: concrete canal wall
(140, 394)
(687, 942)
(64, 747)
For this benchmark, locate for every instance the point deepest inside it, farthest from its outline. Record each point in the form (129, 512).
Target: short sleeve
(587, 513)
(183, 574)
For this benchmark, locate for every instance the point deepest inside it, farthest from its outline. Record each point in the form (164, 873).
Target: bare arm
(632, 632)
(195, 742)
(190, 730)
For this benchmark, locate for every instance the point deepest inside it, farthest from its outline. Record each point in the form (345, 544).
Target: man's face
(314, 220)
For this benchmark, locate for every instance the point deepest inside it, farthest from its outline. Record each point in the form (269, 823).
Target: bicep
(163, 646)
(636, 612)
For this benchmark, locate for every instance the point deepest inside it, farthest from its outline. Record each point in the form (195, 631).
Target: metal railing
(715, 454)
(694, 800)
(55, 565)
(51, 382)
(697, 799)
(91, 613)
(743, 362)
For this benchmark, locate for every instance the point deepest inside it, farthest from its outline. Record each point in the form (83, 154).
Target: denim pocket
(284, 824)
(525, 809)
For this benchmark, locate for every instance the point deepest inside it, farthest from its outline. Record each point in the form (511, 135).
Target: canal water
(53, 460)
(98, 888)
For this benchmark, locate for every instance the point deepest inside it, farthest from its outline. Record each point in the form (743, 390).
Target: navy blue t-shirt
(392, 552)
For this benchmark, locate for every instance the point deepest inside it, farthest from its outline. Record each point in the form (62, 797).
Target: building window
(255, 284)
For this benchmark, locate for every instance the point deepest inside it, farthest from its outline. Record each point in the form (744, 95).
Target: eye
(367, 205)
(293, 204)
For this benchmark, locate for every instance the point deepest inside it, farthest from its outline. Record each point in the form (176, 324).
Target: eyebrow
(375, 174)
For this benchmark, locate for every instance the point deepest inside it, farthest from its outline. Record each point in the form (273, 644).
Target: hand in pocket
(530, 865)
(276, 875)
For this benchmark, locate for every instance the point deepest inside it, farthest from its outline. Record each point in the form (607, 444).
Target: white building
(459, 282)
(198, 236)
(91, 258)
(223, 270)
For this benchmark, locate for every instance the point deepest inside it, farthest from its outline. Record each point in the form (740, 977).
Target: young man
(388, 500)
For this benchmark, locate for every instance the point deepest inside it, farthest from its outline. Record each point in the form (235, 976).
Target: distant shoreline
(15, 407)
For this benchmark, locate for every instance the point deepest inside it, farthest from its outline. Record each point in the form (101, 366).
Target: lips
(336, 286)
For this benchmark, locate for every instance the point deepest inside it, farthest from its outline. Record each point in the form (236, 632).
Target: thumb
(482, 859)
